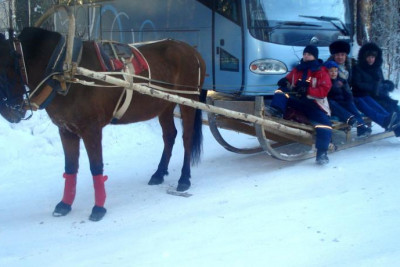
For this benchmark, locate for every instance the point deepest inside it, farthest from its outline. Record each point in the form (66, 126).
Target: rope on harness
(151, 81)
(90, 83)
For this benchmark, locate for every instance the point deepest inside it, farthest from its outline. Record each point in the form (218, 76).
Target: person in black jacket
(341, 102)
(368, 78)
(371, 90)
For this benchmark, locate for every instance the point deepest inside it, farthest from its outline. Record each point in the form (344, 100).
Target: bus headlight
(268, 66)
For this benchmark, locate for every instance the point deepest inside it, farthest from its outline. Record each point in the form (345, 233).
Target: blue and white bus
(248, 45)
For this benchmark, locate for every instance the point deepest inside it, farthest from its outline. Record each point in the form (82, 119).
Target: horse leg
(188, 121)
(166, 120)
(70, 143)
(92, 140)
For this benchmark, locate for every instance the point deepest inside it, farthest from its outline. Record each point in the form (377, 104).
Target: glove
(388, 86)
(301, 92)
(301, 88)
(338, 84)
(283, 83)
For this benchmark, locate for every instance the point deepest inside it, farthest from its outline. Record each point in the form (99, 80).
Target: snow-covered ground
(245, 210)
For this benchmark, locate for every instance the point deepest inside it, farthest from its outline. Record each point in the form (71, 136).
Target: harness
(115, 58)
(15, 51)
(53, 82)
(129, 61)
(126, 60)
(18, 48)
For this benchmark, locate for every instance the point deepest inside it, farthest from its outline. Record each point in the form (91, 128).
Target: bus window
(228, 9)
(299, 22)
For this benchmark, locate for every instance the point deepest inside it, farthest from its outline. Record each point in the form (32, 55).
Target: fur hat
(331, 64)
(370, 49)
(311, 49)
(339, 47)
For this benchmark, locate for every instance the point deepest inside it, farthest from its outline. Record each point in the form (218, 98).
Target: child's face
(333, 72)
(308, 57)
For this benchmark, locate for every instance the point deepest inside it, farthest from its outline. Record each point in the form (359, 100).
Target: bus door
(228, 46)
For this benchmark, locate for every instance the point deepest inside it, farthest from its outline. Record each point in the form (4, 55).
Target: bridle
(17, 47)
(17, 55)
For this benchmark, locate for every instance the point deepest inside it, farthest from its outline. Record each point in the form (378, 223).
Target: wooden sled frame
(280, 145)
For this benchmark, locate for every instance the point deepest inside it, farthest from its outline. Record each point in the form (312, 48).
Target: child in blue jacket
(341, 102)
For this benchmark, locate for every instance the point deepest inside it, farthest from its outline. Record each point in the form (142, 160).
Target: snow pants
(321, 121)
(344, 110)
(373, 110)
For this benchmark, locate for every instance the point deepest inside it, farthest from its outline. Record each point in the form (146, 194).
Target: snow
(245, 210)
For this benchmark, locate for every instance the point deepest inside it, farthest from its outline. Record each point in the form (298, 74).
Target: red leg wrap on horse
(99, 189)
(69, 188)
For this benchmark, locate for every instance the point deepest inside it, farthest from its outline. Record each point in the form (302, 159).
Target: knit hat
(339, 47)
(331, 64)
(311, 49)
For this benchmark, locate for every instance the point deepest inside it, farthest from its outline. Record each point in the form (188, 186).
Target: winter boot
(363, 131)
(394, 121)
(322, 157)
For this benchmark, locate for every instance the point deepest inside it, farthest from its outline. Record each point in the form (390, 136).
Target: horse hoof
(156, 180)
(61, 209)
(183, 187)
(97, 213)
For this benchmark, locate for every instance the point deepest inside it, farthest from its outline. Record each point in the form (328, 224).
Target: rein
(87, 83)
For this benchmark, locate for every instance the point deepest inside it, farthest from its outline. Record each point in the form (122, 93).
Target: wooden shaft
(189, 102)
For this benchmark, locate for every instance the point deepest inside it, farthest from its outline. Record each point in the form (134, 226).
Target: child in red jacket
(305, 89)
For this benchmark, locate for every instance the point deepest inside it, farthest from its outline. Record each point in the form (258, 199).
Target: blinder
(9, 98)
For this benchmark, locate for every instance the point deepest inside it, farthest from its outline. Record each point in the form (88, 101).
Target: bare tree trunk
(363, 20)
(379, 22)
(385, 31)
(7, 16)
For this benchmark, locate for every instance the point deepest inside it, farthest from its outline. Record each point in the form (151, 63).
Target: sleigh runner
(277, 141)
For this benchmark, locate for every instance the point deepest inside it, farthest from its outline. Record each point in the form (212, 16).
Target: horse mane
(38, 41)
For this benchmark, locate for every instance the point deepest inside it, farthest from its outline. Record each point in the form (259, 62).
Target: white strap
(119, 112)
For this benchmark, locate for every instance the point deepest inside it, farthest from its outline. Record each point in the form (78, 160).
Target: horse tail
(197, 141)
(203, 95)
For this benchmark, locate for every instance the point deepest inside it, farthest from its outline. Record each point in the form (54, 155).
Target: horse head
(12, 86)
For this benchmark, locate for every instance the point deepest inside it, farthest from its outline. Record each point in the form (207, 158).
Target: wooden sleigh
(277, 141)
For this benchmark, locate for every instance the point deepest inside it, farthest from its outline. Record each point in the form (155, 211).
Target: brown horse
(84, 110)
